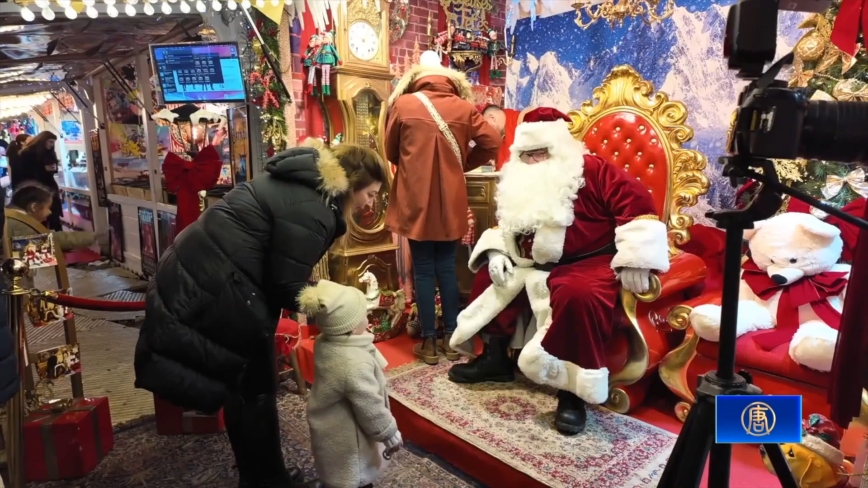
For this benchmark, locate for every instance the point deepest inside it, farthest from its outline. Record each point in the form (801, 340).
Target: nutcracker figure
(326, 58)
(309, 61)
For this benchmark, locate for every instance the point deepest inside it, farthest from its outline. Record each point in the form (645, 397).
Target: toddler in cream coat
(352, 430)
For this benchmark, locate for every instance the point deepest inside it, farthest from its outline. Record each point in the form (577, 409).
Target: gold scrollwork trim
(638, 356)
(673, 367)
(624, 90)
(654, 289)
(460, 58)
(679, 317)
(364, 11)
(618, 401)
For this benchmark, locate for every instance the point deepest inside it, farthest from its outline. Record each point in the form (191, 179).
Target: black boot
(492, 365)
(254, 432)
(571, 415)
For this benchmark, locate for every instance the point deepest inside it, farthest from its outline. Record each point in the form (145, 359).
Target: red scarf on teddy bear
(810, 290)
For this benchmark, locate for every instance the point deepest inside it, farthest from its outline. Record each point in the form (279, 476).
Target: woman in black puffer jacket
(213, 306)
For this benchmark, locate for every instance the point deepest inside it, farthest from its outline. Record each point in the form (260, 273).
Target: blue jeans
(435, 259)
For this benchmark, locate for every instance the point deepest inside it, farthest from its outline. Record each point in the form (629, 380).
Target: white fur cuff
(548, 244)
(642, 244)
(591, 385)
(490, 240)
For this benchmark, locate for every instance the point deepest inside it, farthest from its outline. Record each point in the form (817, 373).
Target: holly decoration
(264, 83)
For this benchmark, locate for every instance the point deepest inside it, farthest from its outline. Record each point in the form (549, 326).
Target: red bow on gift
(810, 290)
(187, 178)
(851, 15)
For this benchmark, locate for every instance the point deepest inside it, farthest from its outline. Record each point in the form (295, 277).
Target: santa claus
(572, 230)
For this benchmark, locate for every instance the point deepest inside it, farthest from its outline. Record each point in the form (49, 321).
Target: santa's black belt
(607, 250)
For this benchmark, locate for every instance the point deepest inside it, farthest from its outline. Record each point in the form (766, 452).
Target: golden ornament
(800, 76)
(850, 90)
(790, 170)
(824, 27)
(811, 46)
(809, 22)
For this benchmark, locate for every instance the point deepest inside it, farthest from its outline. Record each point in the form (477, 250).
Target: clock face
(364, 40)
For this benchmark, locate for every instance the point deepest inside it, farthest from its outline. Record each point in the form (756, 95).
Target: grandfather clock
(363, 84)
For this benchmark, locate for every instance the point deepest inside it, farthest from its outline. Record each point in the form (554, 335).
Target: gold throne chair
(629, 124)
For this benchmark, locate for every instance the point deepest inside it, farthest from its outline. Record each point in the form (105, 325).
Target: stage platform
(491, 470)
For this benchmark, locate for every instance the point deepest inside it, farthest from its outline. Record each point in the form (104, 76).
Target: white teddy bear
(791, 284)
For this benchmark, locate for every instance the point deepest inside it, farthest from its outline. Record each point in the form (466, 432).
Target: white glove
(499, 267)
(393, 444)
(636, 280)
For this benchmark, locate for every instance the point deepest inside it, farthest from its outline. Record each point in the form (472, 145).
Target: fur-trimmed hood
(408, 83)
(312, 164)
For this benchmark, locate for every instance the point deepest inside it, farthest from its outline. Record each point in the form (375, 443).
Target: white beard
(530, 196)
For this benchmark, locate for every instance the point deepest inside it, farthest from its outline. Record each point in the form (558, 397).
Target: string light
(245, 4)
(70, 13)
(260, 3)
(129, 9)
(166, 8)
(275, 3)
(91, 12)
(232, 5)
(47, 14)
(27, 15)
(216, 5)
(42, 3)
(112, 11)
(184, 6)
(149, 10)
(200, 6)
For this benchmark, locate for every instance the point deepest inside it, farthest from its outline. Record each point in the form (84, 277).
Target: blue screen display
(196, 73)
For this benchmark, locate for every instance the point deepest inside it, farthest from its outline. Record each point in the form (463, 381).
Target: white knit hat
(430, 58)
(337, 309)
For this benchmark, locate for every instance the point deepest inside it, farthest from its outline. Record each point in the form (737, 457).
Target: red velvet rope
(94, 304)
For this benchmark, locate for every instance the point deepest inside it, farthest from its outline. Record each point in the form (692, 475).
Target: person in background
(212, 309)
(434, 134)
(10, 381)
(35, 200)
(13, 152)
(39, 163)
(352, 431)
(504, 120)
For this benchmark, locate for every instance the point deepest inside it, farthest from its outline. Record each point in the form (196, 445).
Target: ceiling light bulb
(200, 7)
(27, 15)
(216, 5)
(132, 2)
(166, 8)
(47, 14)
(130, 10)
(88, 3)
(42, 3)
(63, 3)
(245, 4)
(260, 3)
(185, 7)
(149, 9)
(231, 5)
(111, 11)
(109, 2)
(91, 12)
(275, 3)
(70, 13)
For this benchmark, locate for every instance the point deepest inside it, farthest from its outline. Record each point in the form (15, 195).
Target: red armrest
(685, 270)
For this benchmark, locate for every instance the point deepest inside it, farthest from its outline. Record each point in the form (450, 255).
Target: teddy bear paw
(705, 320)
(813, 345)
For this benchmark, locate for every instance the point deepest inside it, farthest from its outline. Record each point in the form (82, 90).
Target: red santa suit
(570, 224)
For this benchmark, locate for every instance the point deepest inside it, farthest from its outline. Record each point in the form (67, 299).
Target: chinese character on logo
(758, 419)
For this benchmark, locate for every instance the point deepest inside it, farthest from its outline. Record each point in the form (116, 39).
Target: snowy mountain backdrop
(558, 64)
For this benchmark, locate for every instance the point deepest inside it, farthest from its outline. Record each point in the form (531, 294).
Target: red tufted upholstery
(629, 141)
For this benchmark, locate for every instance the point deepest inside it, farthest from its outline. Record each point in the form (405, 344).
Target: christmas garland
(264, 83)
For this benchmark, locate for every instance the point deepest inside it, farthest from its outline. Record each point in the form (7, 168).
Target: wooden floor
(106, 346)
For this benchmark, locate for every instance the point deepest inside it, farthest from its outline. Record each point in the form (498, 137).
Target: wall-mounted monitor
(199, 72)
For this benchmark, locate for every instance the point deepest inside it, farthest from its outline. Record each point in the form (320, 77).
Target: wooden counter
(480, 196)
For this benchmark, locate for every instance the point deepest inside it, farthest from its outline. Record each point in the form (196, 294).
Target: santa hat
(821, 436)
(542, 127)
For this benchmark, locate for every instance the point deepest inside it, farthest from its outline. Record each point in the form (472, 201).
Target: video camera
(772, 120)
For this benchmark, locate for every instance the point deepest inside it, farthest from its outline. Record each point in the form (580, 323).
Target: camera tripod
(695, 443)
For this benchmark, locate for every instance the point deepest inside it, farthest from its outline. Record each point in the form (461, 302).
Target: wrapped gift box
(174, 420)
(67, 439)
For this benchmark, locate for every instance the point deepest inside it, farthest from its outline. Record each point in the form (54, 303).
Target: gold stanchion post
(14, 270)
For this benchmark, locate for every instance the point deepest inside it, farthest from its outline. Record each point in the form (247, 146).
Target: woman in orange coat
(428, 200)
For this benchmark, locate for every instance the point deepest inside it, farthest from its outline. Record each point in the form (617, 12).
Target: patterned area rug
(142, 458)
(514, 423)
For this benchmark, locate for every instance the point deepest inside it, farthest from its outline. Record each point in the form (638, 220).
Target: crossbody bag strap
(441, 124)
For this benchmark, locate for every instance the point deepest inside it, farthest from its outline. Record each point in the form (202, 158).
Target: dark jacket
(217, 295)
(10, 381)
